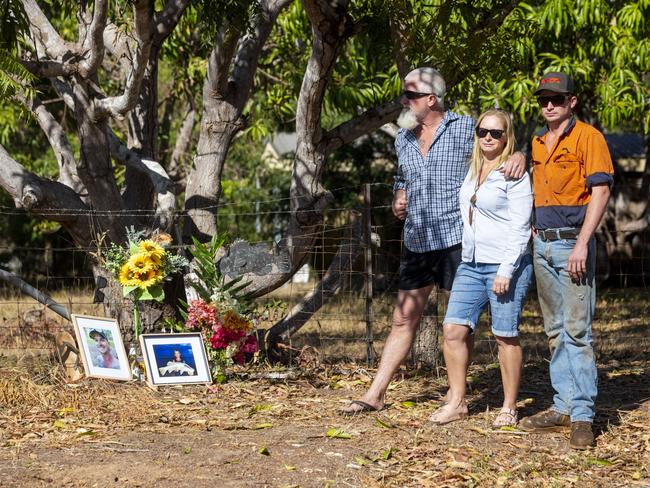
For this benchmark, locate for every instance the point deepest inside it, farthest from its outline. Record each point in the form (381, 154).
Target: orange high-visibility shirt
(563, 178)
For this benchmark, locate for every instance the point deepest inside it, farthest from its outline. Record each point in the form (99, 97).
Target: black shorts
(420, 269)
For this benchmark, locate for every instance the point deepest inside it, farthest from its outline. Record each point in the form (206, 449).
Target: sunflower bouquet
(142, 266)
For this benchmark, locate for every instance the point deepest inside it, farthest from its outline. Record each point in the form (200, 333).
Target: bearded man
(433, 148)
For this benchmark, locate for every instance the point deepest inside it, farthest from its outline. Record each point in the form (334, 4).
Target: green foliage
(604, 45)
(211, 282)
(13, 23)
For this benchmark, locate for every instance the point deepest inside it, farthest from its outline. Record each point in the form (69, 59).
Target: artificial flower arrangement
(142, 266)
(222, 312)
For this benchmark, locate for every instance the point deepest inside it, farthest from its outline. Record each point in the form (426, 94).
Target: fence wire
(352, 325)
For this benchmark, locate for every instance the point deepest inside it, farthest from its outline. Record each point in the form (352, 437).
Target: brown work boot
(582, 437)
(546, 421)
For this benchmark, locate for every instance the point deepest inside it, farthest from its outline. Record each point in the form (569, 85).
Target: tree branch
(371, 120)
(168, 18)
(58, 141)
(182, 145)
(93, 42)
(118, 106)
(402, 10)
(250, 47)
(163, 185)
(48, 39)
(40, 196)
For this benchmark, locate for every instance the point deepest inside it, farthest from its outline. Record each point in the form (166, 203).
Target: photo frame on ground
(175, 359)
(101, 346)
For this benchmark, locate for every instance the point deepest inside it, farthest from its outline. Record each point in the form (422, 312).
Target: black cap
(94, 333)
(556, 82)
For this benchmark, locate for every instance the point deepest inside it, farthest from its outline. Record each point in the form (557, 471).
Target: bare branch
(167, 19)
(58, 141)
(50, 199)
(250, 47)
(93, 41)
(402, 10)
(48, 68)
(48, 39)
(115, 41)
(163, 186)
(181, 147)
(118, 106)
(372, 119)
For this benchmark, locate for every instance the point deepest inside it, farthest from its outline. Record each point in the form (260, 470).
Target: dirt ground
(261, 432)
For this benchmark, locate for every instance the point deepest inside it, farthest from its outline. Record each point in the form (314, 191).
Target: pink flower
(222, 337)
(202, 315)
(250, 345)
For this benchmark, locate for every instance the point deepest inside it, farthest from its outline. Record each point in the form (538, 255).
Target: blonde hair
(508, 149)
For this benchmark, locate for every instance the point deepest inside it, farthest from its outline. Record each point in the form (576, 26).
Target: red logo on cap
(551, 80)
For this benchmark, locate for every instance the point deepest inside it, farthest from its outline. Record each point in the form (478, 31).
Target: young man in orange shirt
(572, 177)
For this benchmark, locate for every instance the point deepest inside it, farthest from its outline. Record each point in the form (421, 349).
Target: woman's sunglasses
(495, 133)
(412, 95)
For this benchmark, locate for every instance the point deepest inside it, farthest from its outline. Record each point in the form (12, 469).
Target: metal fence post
(367, 216)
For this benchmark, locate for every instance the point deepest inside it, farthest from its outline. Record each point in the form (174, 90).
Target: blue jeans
(568, 310)
(472, 291)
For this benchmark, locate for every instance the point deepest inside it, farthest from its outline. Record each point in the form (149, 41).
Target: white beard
(407, 119)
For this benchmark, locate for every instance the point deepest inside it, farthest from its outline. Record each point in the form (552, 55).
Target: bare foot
(449, 413)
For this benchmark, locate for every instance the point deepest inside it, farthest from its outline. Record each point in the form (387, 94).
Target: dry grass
(198, 435)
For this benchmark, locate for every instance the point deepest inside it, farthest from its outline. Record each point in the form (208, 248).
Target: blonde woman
(496, 267)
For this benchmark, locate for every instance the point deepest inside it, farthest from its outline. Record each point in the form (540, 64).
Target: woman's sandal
(507, 418)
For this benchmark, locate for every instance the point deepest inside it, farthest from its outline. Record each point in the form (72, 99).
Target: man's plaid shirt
(433, 218)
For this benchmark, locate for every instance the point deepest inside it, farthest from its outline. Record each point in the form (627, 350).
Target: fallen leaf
(384, 424)
(263, 426)
(408, 404)
(338, 434)
(264, 451)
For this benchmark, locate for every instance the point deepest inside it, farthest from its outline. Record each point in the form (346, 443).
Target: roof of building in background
(284, 143)
(626, 145)
(628, 150)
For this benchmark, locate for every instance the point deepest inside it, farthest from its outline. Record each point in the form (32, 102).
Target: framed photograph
(101, 346)
(175, 359)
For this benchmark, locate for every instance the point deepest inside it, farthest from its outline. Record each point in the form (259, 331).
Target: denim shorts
(472, 291)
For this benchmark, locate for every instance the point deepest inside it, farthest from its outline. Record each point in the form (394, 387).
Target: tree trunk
(426, 346)
(109, 292)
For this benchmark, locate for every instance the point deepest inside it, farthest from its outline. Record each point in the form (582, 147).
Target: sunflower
(128, 275)
(147, 278)
(153, 250)
(141, 262)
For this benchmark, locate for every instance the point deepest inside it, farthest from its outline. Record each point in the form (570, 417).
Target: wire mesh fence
(354, 323)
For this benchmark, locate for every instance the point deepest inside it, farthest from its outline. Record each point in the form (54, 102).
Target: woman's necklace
(480, 179)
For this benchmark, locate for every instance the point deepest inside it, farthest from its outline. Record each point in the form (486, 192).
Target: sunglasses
(472, 204)
(554, 100)
(495, 133)
(413, 95)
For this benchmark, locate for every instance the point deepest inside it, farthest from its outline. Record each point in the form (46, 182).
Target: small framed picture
(101, 346)
(175, 359)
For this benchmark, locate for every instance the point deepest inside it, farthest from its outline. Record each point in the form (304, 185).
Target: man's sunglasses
(555, 100)
(495, 133)
(412, 95)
